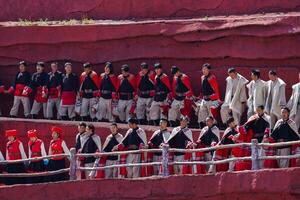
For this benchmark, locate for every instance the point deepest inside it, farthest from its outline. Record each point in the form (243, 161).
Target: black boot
(33, 116)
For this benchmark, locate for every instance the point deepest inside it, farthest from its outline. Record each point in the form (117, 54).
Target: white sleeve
(29, 151)
(43, 151)
(97, 140)
(21, 148)
(1, 157)
(65, 148)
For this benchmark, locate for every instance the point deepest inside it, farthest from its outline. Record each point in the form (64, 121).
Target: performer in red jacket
(36, 148)
(255, 128)
(69, 89)
(209, 96)
(14, 151)
(159, 106)
(22, 79)
(108, 88)
(181, 93)
(145, 92)
(126, 93)
(89, 91)
(38, 84)
(57, 146)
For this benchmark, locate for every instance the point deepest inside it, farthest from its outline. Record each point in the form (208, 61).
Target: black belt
(181, 94)
(106, 92)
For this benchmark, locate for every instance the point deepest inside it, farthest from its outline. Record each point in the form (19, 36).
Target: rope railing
(165, 163)
(35, 174)
(34, 159)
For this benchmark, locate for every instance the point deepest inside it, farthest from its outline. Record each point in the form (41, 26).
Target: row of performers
(181, 137)
(149, 95)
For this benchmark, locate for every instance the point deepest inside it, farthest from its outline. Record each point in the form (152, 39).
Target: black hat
(184, 118)
(41, 64)
(133, 120)
(87, 65)
(110, 66)
(157, 66)
(206, 65)
(144, 65)
(125, 68)
(174, 70)
(23, 63)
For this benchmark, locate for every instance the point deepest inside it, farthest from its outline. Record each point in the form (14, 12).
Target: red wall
(266, 41)
(259, 185)
(13, 10)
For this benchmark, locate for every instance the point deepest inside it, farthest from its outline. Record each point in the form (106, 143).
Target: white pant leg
(156, 168)
(36, 107)
(283, 163)
(111, 172)
(155, 110)
(224, 113)
(84, 111)
(174, 112)
(204, 111)
(178, 168)
(133, 172)
(141, 108)
(15, 108)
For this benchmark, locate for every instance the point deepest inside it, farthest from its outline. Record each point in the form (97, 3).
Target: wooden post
(165, 160)
(73, 164)
(254, 154)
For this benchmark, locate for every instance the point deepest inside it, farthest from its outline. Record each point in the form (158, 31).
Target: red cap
(11, 133)
(32, 133)
(56, 130)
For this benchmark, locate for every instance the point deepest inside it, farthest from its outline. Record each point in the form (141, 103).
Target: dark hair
(157, 66)
(231, 70)
(54, 63)
(109, 65)
(273, 72)
(144, 65)
(91, 127)
(41, 64)
(114, 124)
(286, 108)
(133, 120)
(23, 63)
(256, 72)
(82, 124)
(210, 117)
(261, 107)
(125, 68)
(68, 63)
(174, 70)
(206, 65)
(230, 120)
(87, 65)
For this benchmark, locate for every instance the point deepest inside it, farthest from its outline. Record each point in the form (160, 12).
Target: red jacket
(113, 80)
(215, 86)
(13, 150)
(35, 148)
(186, 81)
(56, 148)
(132, 81)
(139, 77)
(95, 80)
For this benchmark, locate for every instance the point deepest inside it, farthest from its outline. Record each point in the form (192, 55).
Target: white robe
(119, 138)
(235, 103)
(274, 103)
(214, 129)
(166, 135)
(257, 94)
(187, 132)
(294, 100)
(141, 133)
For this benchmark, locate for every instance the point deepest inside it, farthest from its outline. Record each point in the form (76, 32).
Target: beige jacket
(277, 100)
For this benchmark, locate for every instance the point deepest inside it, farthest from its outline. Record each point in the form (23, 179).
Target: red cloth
(11, 133)
(244, 137)
(131, 79)
(56, 148)
(93, 75)
(102, 162)
(18, 90)
(13, 150)
(139, 77)
(215, 86)
(165, 80)
(31, 133)
(68, 98)
(150, 168)
(186, 81)
(222, 154)
(41, 94)
(54, 92)
(2, 89)
(35, 148)
(113, 80)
